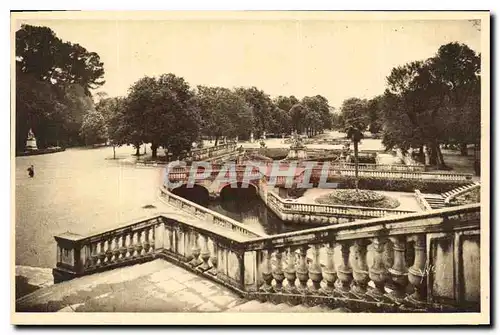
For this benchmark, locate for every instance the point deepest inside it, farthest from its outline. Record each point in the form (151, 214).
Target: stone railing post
(315, 272)
(278, 273)
(330, 274)
(267, 273)
(70, 257)
(290, 273)
(399, 271)
(302, 271)
(360, 272)
(416, 274)
(378, 273)
(344, 271)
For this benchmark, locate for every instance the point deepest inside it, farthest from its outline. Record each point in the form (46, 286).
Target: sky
(336, 59)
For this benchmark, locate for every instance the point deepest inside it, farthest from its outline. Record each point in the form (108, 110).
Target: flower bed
(365, 198)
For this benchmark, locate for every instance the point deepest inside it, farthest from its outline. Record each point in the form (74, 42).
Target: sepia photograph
(251, 167)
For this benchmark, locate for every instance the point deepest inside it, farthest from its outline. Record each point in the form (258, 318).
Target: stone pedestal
(31, 141)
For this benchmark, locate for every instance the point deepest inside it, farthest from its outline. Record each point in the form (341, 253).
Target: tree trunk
(463, 149)
(440, 161)
(137, 153)
(216, 140)
(154, 150)
(356, 181)
(433, 156)
(421, 155)
(145, 147)
(114, 152)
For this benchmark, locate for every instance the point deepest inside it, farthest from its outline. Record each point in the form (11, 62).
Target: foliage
(163, 111)
(434, 102)
(93, 128)
(365, 198)
(53, 82)
(261, 106)
(223, 112)
(41, 53)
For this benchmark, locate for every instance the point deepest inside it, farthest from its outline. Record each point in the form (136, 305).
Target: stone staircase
(255, 306)
(436, 201)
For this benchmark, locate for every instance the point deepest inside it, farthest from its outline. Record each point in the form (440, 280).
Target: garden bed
(353, 197)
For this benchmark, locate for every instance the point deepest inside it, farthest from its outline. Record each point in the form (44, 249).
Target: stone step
(255, 306)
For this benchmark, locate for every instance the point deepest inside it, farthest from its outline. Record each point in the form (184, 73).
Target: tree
(285, 103)
(354, 110)
(93, 128)
(261, 106)
(224, 113)
(53, 79)
(355, 134)
(375, 118)
(163, 111)
(320, 106)
(41, 53)
(113, 113)
(298, 114)
(424, 98)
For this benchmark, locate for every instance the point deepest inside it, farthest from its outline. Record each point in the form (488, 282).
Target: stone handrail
(422, 202)
(363, 266)
(323, 213)
(209, 152)
(448, 199)
(367, 261)
(208, 215)
(336, 171)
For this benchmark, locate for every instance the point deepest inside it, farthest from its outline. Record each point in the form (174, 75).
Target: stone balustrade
(211, 152)
(342, 171)
(422, 202)
(448, 199)
(207, 215)
(322, 213)
(412, 263)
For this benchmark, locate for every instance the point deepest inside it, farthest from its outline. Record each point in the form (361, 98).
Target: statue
(31, 141)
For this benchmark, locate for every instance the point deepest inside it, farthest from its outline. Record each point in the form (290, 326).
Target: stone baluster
(378, 273)
(360, 272)
(344, 271)
(399, 271)
(214, 260)
(123, 246)
(130, 245)
(315, 272)
(102, 253)
(330, 274)
(105, 250)
(204, 254)
(290, 273)
(302, 271)
(267, 274)
(93, 254)
(138, 247)
(278, 273)
(145, 243)
(416, 274)
(116, 249)
(195, 251)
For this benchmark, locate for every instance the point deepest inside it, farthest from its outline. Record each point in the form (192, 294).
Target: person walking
(31, 171)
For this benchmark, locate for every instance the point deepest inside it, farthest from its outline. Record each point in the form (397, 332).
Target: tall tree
(224, 113)
(165, 112)
(423, 96)
(261, 105)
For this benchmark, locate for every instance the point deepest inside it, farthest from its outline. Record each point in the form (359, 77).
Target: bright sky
(337, 59)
